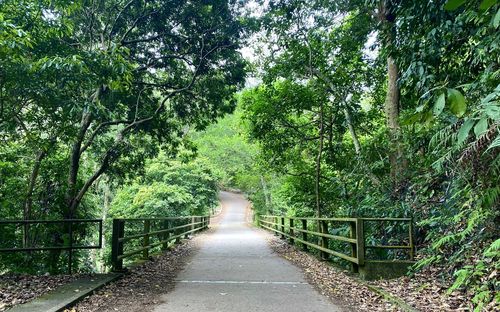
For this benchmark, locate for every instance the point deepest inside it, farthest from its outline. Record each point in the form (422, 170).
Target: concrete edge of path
(67, 295)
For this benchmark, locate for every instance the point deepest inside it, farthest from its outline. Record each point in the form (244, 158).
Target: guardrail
(150, 233)
(68, 229)
(300, 230)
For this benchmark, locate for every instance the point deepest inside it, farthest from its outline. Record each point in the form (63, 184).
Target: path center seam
(239, 282)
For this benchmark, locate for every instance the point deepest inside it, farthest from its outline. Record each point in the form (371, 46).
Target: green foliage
(457, 102)
(168, 188)
(318, 115)
(91, 90)
(483, 272)
(224, 147)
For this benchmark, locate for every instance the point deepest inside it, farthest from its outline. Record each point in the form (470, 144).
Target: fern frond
(490, 197)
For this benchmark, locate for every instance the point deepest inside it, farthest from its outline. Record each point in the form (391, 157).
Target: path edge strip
(113, 277)
(70, 302)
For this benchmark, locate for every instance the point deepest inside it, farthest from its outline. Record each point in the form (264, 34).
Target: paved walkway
(235, 270)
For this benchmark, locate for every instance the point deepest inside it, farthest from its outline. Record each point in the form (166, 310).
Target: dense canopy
(359, 108)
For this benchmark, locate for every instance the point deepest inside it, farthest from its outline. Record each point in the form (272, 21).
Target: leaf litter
(424, 291)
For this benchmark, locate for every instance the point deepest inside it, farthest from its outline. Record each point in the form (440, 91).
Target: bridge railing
(141, 235)
(317, 232)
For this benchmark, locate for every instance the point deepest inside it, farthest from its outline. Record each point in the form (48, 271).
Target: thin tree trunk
(318, 165)
(74, 165)
(28, 204)
(74, 196)
(267, 198)
(104, 215)
(357, 147)
(392, 101)
(391, 108)
(354, 136)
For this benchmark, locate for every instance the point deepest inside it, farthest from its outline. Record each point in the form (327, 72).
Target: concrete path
(235, 270)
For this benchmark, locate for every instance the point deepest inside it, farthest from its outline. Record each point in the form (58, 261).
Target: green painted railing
(301, 230)
(150, 233)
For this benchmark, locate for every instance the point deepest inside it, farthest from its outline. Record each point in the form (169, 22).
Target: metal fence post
(282, 227)
(191, 227)
(324, 240)
(360, 241)
(117, 245)
(354, 252)
(70, 255)
(166, 235)
(304, 234)
(178, 232)
(412, 246)
(145, 241)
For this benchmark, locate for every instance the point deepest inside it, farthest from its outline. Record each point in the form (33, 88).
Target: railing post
(276, 226)
(178, 231)
(304, 234)
(292, 241)
(145, 240)
(191, 227)
(166, 235)
(412, 246)
(360, 241)
(324, 240)
(282, 227)
(117, 245)
(70, 255)
(354, 252)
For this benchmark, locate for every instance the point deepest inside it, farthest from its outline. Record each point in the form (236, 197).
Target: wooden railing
(149, 233)
(301, 230)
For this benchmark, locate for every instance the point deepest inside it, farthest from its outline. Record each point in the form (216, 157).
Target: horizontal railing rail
(301, 229)
(68, 246)
(163, 230)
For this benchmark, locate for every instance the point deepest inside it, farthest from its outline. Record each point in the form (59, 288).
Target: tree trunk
(74, 166)
(28, 203)
(391, 108)
(355, 140)
(267, 197)
(318, 165)
(392, 101)
(107, 201)
(357, 147)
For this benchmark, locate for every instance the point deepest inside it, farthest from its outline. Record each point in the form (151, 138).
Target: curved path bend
(235, 270)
